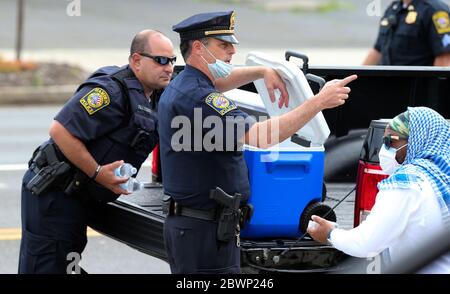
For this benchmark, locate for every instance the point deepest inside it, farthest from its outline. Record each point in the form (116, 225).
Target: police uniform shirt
(189, 175)
(415, 34)
(99, 108)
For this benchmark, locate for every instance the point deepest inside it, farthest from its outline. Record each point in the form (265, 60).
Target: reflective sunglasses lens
(165, 60)
(161, 60)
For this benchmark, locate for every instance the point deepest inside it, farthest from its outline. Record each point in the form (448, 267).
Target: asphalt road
(21, 130)
(108, 24)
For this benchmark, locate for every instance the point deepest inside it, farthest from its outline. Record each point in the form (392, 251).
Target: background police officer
(110, 119)
(190, 168)
(413, 32)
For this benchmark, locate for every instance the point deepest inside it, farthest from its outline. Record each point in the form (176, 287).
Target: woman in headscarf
(413, 202)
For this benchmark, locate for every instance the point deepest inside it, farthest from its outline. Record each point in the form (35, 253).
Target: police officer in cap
(111, 119)
(413, 32)
(201, 138)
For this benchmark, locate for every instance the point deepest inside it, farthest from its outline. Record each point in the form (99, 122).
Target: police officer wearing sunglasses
(111, 119)
(162, 60)
(202, 234)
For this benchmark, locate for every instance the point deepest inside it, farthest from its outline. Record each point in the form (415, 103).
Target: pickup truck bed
(137, 220)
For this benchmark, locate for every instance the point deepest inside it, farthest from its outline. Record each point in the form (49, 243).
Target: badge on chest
(411, 17)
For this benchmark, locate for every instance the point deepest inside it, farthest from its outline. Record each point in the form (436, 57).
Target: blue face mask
(218, 69)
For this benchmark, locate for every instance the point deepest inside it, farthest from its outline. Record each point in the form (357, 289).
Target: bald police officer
(413, 32)
(193, 229)
(110, 119)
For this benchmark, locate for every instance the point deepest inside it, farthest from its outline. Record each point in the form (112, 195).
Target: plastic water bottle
(127, 170)
(132, 185)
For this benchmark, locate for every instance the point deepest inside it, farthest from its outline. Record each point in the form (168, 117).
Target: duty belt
(174, 208)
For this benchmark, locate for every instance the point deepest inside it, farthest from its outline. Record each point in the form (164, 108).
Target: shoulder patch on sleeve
(441, 21)
(220, 103)
(95, 100)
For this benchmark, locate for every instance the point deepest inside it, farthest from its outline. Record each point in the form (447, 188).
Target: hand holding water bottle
(127, 170)
(107, 177)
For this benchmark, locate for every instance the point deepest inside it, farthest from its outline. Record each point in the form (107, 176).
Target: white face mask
(388, 162)
(218, 69)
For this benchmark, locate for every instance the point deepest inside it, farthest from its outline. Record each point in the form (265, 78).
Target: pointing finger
(347, 80)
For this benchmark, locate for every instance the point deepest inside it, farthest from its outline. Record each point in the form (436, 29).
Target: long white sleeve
(385, 223)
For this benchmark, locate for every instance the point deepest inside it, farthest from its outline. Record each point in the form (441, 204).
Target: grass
(334, 5)
(37, 81)
(221, 1)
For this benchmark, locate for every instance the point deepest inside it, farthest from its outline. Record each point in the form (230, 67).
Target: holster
(227, 224)
(50, 168)
(229, 214)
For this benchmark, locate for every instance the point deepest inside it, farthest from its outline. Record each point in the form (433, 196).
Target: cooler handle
(276, 159)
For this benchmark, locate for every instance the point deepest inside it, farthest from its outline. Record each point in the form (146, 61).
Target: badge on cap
(411, 17)
(95, 100)
(219, 25)
(232, 20)
(220, 103)
(441, 22)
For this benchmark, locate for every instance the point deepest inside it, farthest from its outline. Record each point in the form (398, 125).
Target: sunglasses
(387, 140)
(162, 60)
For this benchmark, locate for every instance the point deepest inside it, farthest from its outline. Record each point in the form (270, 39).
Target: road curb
(31, 95)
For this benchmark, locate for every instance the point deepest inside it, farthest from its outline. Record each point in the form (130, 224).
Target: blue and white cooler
(286, 180)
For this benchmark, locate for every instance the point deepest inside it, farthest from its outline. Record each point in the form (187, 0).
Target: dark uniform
(110, 114)
(190, 170)
(415, 34)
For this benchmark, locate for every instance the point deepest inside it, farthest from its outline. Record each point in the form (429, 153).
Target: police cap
(219, 25)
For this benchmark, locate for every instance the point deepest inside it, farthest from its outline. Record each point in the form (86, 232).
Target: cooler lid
(316, 130)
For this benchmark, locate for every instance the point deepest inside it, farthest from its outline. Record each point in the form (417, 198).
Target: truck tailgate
(137, 219)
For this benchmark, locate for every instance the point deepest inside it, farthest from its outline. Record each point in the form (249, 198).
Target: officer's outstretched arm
(243, 75)
(277, 129)
(77, 153)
